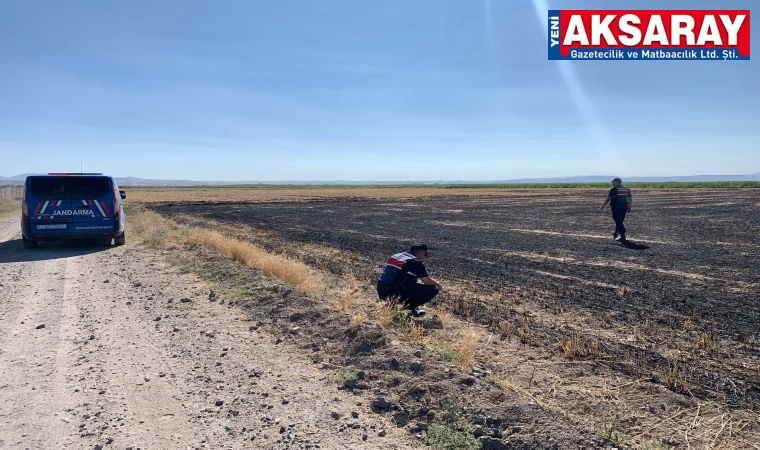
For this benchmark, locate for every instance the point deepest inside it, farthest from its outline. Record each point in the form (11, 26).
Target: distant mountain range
(134, 181)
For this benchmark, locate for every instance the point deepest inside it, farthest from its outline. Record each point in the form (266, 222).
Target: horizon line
(410, 180)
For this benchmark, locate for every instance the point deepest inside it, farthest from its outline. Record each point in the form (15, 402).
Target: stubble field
(663, 331)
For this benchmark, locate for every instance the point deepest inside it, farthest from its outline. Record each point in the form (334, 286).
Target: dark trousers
(411, 297)
(618, 215)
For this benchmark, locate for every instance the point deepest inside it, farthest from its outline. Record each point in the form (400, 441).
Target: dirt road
(112, 347)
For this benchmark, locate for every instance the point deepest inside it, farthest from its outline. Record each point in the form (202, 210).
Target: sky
(388, 90)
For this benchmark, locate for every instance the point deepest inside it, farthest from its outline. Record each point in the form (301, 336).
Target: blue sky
(355, 90)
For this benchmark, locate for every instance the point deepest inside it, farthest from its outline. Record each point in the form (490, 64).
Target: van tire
(121, 239)
(29, 243)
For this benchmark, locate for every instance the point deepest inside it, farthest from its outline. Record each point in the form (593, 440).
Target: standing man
(621, 201)
(399, 280)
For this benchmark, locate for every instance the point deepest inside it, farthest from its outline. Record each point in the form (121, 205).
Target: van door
(49, 202)
(92, 198)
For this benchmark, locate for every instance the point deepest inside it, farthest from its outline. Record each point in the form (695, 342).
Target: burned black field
(680, 305)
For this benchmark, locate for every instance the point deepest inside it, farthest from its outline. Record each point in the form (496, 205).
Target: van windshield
(74, 188)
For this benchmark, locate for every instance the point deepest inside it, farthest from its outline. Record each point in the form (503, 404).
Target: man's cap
(418, 246)
(618, 180)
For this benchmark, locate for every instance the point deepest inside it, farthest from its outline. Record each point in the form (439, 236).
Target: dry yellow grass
(641, 331)
(524, 331)
(442, 316)
(350, 294)
(506, 329)
(158, 232)
(467, 348)
(416, 333)
(387, 313)
(674, 378)
(293, 272)
(358, 319)
(706, 341)
(579, 347)
(152, 229)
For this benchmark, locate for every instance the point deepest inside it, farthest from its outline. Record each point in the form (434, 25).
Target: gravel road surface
(113, 347)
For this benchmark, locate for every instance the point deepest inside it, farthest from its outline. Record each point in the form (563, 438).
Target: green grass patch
(496, 377)
(608, 429)
(181, 235)
(340, 376)
(244, 291)
(394, 378)
(185, 264)
(452, 431)
(225, 272)
(447, 353)
(403, 321)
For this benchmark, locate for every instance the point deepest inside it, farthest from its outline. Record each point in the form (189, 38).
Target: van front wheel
(120, 240)
(29, 243)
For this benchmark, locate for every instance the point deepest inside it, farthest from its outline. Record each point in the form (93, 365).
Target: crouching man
(398, 282)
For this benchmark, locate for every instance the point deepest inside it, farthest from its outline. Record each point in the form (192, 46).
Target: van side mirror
(123, 194)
